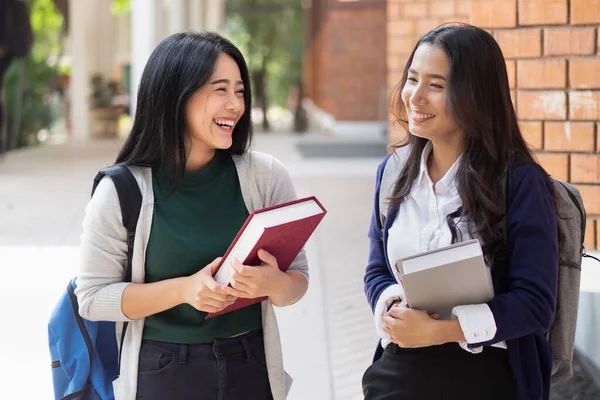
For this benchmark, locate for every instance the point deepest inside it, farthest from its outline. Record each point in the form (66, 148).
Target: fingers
(240, 270)
(398, 311)
(267, 258)
(212, 267)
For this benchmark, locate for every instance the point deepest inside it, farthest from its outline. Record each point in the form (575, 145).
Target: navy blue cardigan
(524, 312)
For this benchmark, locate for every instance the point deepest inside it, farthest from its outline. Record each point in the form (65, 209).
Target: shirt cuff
(386, 298)
(477, 323)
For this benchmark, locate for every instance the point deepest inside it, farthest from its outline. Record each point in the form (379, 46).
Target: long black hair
(478, 99)
(179, 66)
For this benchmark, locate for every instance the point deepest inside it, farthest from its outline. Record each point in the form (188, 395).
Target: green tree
(270, 34)
(29, 81)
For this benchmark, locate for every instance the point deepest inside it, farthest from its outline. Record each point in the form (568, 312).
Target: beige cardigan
(264, 182)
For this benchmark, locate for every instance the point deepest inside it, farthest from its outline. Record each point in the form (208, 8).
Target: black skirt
(440, 372)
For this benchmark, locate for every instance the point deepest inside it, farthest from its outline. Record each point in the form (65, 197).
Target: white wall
(587, 338)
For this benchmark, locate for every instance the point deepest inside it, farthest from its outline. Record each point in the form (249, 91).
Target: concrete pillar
(196, 13)
(215, 15)
(177, 16)
(146, 31)
(101, 48)
(79, 90)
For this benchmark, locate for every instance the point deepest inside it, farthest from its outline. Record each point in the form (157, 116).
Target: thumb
(267, 258)
(212, 267)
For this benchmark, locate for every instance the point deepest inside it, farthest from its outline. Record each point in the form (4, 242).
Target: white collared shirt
(421, 226)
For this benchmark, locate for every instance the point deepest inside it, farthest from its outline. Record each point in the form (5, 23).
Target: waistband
(217, 348)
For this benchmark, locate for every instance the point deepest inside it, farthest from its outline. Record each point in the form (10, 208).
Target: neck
(443, 156)
(197, 160)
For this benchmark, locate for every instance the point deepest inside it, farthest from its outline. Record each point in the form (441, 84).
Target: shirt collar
(447, 183)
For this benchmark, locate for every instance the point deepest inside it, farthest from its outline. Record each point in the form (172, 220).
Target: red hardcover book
(281, 230)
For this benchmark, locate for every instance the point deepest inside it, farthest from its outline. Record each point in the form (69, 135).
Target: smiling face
(424, 95)
(213, 110)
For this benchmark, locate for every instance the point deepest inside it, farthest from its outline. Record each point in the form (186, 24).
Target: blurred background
(321, 72)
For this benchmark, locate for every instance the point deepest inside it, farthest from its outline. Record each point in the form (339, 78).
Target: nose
(418, 97)
(233, 103)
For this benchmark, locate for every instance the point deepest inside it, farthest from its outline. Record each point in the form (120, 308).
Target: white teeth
(224, 122)
(423, 116)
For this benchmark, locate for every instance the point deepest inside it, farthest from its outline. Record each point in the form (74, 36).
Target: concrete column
(101, 46)
(215, 15)
(146, 30)
(79, 89)
(196, 15)
(177, 16)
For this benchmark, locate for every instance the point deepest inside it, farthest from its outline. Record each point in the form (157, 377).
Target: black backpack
(16, 37)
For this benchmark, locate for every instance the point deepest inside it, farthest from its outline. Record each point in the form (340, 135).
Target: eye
(241, 92)
(435, 85)
(222, 90)
(411, 79)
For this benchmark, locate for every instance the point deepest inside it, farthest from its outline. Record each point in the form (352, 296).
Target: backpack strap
(130, 201)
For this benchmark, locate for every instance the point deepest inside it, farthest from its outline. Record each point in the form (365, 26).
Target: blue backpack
(85, 356)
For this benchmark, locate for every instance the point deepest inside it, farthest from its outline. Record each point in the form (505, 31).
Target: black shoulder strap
(130, 200)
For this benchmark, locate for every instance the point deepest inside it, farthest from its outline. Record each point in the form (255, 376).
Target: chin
(422, 133)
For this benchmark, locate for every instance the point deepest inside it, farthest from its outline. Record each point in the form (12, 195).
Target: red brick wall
(552, 49)
(345, 63)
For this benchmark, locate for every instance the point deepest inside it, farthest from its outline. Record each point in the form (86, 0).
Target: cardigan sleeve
(280, 189)
(377, 277)
(103, 257)
(529, 304)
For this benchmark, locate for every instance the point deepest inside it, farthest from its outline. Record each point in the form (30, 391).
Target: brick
(569, 41)
(394, 10)
(557, 165)
(532, 133)
(542, 74)
(511, 71)
(585, 11)
(520, 43)
(542, 105)
(415, 10)
(464, 7)
(591, 241)
(598, 137)
(591, 198)
(460, 19)
(569, 136)
(400, 27)
(585, 168)
(543, 12)
(494, 13)
(401, 45)
(427, 24)
(442, 8)
(584, 73)
(394, 78)
(584, 105)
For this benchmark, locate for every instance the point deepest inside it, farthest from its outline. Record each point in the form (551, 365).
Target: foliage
(120, 6)
(36, 112)
(33, 76)
(270, 34)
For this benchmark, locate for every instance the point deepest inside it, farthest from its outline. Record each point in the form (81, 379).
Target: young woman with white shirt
(454, 101)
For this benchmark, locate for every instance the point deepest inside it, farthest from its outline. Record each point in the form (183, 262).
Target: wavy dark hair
(179, 66)
(478, 99)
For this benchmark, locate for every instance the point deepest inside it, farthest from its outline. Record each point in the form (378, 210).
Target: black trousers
(440, 372)
(227, 369)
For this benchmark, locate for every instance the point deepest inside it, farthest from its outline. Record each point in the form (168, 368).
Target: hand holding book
(249, 282)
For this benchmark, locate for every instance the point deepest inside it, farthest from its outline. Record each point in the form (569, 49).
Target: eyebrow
(438, 76)
(224, 81)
